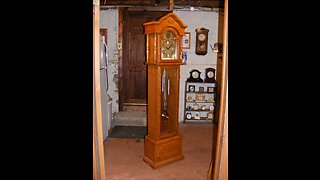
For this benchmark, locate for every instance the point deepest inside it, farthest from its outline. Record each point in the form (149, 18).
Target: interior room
(160, 89)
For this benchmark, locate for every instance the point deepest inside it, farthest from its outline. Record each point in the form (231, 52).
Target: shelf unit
(200, 102)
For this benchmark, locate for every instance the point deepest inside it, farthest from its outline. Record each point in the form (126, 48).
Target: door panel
(133, 71)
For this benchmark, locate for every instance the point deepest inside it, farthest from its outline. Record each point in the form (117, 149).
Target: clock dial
(169, 46)
(210, 74)
(202, 37)
(195, 74)
(195, 107)
(189, 116)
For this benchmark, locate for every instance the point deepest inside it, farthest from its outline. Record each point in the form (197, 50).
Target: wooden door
(132, 69)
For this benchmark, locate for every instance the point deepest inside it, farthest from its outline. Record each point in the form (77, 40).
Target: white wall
(109, 20)
(193, 19)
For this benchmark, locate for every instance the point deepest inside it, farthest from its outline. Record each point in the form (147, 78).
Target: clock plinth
(164, 151)
(163, 143)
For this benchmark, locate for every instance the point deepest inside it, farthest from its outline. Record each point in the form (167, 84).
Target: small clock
(209, 116)
(201, 89)
(189, 99)
(210, 100)
(200, 98)
(203, 107)
(195, 107)
(192, 88)
(194, 76)
(210, 89)
(210, 75)
(197, 115)
(211, 108)
(188, 116)
(201, 41)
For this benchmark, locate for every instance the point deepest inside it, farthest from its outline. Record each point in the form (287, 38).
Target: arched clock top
(169, 20)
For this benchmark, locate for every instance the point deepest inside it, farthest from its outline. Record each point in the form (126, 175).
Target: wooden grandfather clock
(163, 143)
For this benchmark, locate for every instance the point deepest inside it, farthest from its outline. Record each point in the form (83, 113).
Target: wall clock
(202, 41)
(194, 76)
(210, 75)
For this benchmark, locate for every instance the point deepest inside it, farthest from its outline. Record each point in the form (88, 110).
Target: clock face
(202, 37)
(210, 74)
(168, 46)
(195, 74)
(195, 107)
(188, 116)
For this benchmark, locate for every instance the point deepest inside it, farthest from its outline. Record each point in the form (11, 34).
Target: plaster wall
(195, 20)
(109, 20)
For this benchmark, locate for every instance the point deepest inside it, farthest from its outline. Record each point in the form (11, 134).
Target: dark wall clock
(195, 76)
(210, 75)
(202, 41)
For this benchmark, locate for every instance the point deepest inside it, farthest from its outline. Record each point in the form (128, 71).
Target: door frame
(121, 11)
(98, 149)
(220, 157)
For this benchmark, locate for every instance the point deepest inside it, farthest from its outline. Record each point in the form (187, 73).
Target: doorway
(132, 68)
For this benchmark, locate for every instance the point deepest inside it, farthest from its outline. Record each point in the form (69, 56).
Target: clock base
(164, 151)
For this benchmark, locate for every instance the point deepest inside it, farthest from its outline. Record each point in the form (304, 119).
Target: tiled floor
(124, 157)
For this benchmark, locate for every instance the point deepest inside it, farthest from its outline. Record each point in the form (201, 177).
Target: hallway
(124, 157)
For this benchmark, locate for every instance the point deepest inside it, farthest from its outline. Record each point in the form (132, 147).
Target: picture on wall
(186, 41)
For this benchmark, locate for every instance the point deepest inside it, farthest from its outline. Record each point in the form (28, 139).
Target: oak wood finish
(163, 143)
(220, 170)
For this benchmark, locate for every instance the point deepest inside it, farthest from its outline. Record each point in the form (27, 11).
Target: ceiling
(178, 4)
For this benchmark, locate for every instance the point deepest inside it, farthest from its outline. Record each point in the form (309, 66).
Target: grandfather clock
(163, 143)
